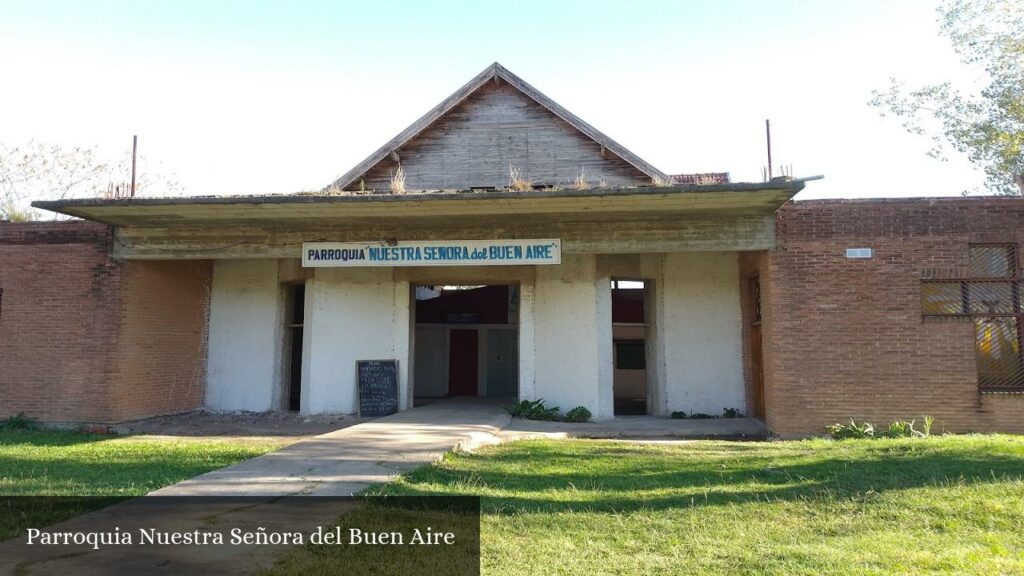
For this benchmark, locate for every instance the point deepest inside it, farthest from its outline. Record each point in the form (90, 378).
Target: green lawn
(943, 505)
(49, 463)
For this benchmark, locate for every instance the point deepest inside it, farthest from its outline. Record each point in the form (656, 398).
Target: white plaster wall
(244, 346)
(572, 335)
(351, 314)
(701, 332)
(527, 347)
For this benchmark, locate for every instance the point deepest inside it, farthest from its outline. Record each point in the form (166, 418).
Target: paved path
(346, 461)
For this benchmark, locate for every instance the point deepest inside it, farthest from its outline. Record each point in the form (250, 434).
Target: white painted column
(527, 350)
(605, 353)
(702, 330)
(402, 339)
(573, 336)
(657, 400)
(351, 314)
(245, 335)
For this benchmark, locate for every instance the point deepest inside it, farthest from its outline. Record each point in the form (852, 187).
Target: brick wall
(845, 337)
(164, 312)
(56, 341)
(86, 339)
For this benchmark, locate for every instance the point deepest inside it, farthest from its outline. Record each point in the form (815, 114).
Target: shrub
(900, 429)
(578, 414)
(533, 410)
(695, 416)
(18, 422)
(731, 413)
(897, 429)
(851, 430)
(926, 426)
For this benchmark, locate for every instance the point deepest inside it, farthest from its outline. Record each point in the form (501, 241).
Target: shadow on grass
(551, 478)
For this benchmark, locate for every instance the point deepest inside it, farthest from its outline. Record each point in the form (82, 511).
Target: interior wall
(244, 350)
(630, 383)
(700, 306)
(431, 374)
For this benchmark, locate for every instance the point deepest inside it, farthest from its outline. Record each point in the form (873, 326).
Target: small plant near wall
(578, 414)
(681, 415)
(851, 430)
(731, 413)
(18, 422)
(533, 410)
(536, 410)
(896, 429)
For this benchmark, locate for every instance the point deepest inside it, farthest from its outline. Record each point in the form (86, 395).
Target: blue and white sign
(432, 253)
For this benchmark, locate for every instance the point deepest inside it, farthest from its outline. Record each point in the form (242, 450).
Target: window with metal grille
(990, 295)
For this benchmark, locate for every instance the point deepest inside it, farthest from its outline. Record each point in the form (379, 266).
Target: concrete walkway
(349, 460)
(346, 461)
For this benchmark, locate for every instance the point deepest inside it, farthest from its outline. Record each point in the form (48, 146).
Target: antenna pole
(135, 149)
(768, 135)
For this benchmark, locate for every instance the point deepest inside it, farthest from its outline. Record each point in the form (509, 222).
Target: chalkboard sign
(378, 387)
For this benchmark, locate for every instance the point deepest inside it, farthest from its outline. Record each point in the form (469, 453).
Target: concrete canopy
(299, 211)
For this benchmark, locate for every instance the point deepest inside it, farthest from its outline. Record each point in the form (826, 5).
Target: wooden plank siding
(496, 127)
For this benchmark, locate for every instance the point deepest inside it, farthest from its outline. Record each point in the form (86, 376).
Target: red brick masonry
(845, 337)
(84, 338)
(87, 338)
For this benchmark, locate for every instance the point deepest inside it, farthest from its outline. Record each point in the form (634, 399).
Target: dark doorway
(463, 362)
(297, 298)
(629, 339)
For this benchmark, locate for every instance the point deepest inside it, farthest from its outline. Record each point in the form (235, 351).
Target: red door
(462, 363)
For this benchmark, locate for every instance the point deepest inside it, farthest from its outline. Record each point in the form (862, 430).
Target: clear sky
(240, 97)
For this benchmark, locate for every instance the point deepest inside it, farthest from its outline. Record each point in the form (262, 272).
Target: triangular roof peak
(495, 72)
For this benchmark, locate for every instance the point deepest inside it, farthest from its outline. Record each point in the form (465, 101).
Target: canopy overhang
(633, 220)
(296, 211)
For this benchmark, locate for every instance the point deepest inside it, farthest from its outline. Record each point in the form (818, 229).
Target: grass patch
(54, 463)
(941, 505)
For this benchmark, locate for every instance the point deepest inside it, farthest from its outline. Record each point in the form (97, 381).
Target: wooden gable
(494, 125)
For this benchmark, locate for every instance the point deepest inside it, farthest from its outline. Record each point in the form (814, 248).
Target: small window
(990, 296)
(629, 355)
(998, 353)
(993, 261)
(942, 298)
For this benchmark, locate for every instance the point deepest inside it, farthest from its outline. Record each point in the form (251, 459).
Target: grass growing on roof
(941, 505)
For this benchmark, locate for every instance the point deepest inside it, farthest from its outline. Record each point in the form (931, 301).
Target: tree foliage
(985, 122)
(38, 171)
